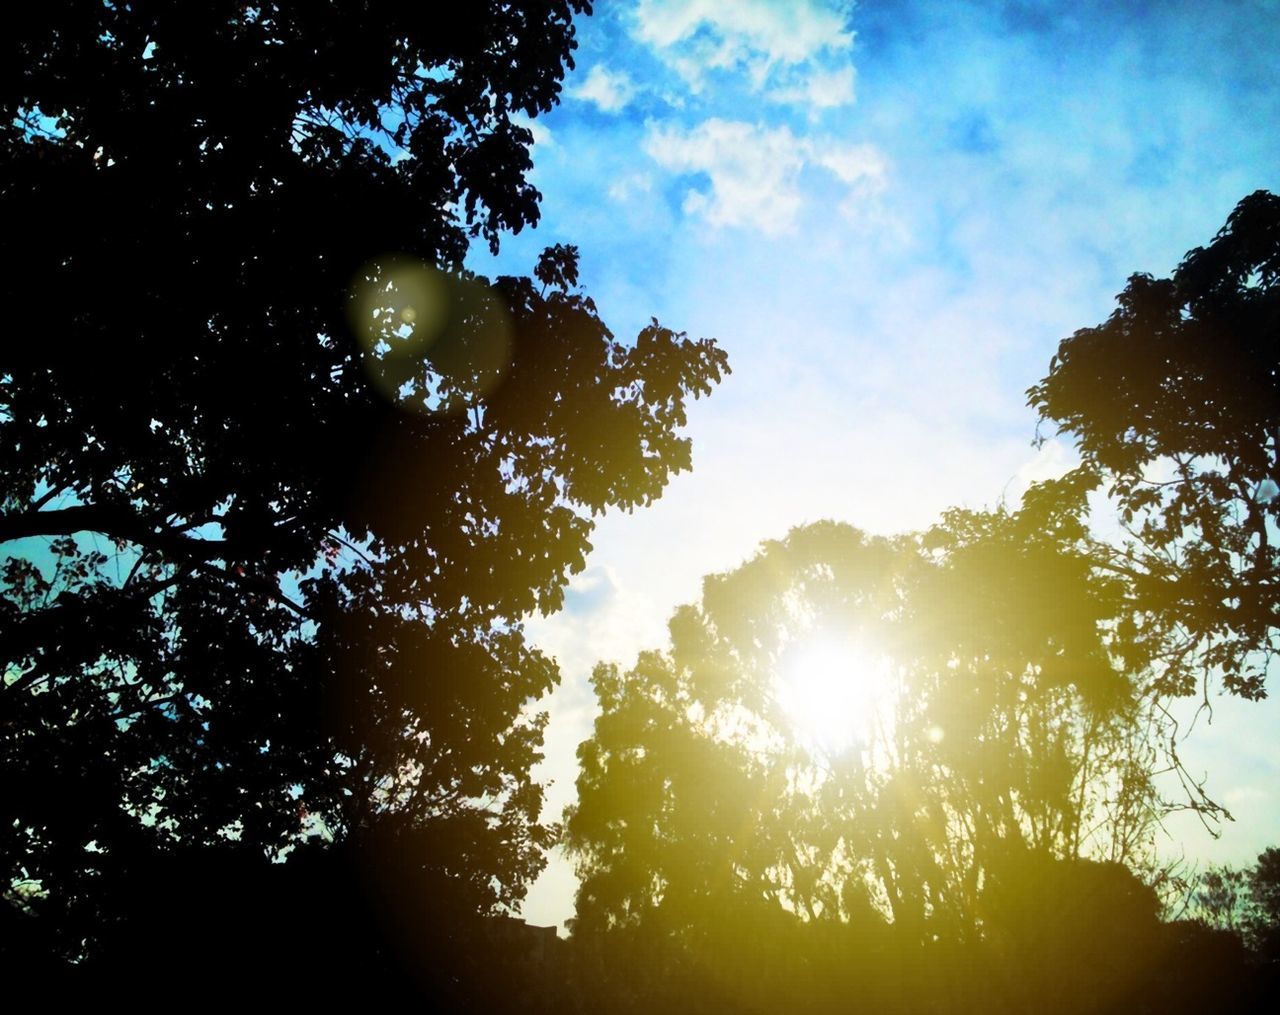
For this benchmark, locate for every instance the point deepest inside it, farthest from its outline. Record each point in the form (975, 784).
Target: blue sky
(889, 214)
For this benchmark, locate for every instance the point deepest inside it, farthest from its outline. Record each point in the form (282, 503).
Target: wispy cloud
(818, 90)
(754, 171)
(540, 131)
(796, 52)
(630, 185)
(789, 33)
(610, 90)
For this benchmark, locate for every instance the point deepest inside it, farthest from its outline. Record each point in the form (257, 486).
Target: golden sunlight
(434, 341)
(835, 693)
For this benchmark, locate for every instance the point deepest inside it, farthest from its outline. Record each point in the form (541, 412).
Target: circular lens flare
(433, 341)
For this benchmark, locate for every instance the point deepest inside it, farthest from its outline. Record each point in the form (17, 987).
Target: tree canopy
(983, 831)
(1175, 404)
(281, 479)
(996, 719)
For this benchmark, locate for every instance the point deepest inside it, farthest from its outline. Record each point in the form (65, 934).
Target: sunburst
(835, 693)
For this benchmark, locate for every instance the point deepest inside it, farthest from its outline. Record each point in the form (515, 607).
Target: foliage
(1219, 897)
(983, 843)
(265, 576)
(1175, 403)
(1262, 921)
(1007, 725)
(1243, 901)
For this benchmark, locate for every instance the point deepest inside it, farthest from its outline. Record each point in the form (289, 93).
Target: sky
(889, 214)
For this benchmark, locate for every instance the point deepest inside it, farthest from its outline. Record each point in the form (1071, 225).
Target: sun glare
(835, 693)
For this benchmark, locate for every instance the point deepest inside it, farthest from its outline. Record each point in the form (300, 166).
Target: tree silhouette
(1236, 911)
(985, 844)
(1219, 897)
(1262, 916)
(280, 479)
(1007, 747)
(1175, 403)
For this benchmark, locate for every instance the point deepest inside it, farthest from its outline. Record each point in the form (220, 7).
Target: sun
(835, 693)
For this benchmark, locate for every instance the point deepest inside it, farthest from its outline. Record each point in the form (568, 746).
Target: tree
(1219, 897)
(969, 843)
(1175, 404)
(275, 501)
(997, 727)
(1243, 902)
(1262, 913)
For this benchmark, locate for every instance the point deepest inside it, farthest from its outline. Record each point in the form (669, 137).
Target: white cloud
(1238, 795)
(851, 163)
(787, 33)
(819, 89)
(754, 171)
(631, 185)
(1051, 460)
(756, 37)
(864, 171)
(541, 132)
(610, 90)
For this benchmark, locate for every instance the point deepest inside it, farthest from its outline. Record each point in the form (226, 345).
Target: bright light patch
(434, 342)
(836, 693)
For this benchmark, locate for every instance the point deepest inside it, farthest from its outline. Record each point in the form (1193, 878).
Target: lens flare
(432, 341)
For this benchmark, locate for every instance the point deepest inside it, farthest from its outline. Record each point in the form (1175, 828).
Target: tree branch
(115, 522)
